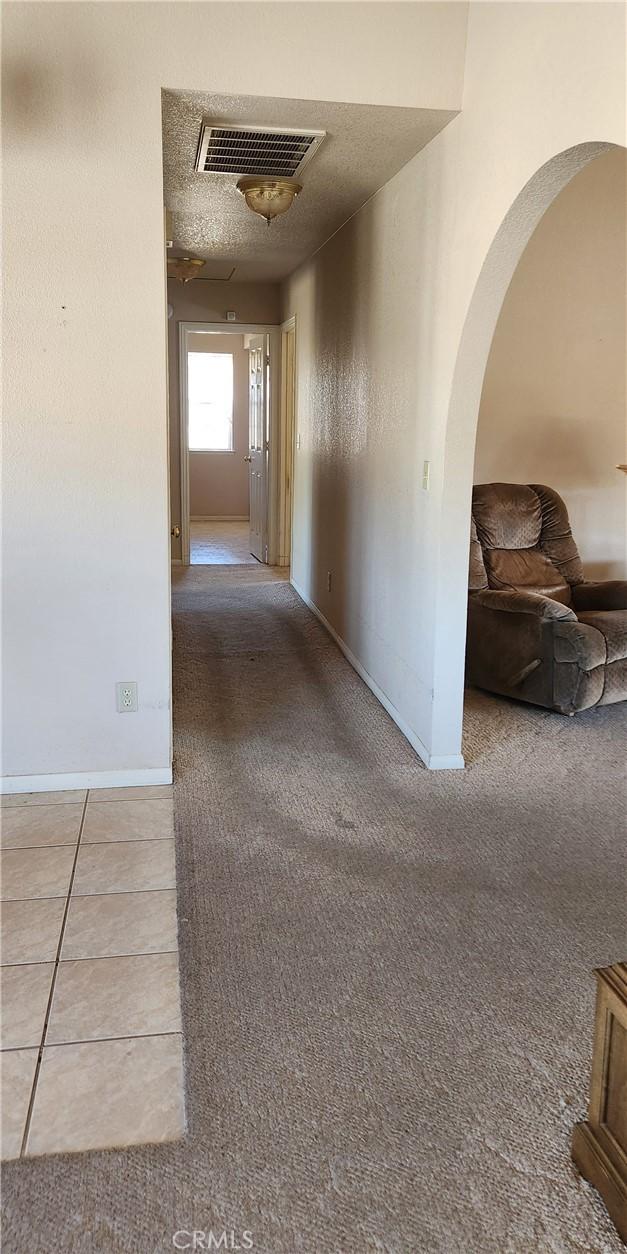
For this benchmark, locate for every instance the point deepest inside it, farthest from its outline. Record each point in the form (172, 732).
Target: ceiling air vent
(273, 151)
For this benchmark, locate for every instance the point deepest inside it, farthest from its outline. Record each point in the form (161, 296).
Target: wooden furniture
(599, 1145)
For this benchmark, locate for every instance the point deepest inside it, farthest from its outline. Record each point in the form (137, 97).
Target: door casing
(287, 441)
(258, 444)
(273, 331)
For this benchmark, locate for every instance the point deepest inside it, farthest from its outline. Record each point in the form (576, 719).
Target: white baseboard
(451, 762)
(446, 762)
(86, 779)
(219, 518)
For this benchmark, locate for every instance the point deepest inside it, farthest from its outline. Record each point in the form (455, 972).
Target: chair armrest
(517, 643)
(513, 601)
(579, 643)
(610, 595)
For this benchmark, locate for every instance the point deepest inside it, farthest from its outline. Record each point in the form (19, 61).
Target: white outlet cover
(126, 696)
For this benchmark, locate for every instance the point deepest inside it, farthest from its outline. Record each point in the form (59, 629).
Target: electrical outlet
(426, 475)
(126, 694)
(231, 315)
(329, 580)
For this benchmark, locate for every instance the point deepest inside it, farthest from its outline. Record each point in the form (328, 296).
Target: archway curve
(483, 312)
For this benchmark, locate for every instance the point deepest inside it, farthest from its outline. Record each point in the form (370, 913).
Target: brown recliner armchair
(536, 630)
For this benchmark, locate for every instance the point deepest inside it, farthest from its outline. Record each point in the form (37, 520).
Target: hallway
(386, 973)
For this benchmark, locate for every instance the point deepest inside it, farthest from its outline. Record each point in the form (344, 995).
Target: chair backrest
(521, 538)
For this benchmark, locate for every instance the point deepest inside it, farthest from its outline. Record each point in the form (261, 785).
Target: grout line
(73, 801)
(29, 962)
(102, 800)
(37, 805)
(144, 953)
(114, 801)
(46, 962)
(92, 1040)
(16, 1049)
(69, 844)
(111, 893)
(103, 1040)
(62, 844)
(126, 840)
(29, 1113)
(130, 1036)
(6, 901)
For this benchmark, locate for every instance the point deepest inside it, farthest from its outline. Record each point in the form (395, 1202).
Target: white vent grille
(267, 150)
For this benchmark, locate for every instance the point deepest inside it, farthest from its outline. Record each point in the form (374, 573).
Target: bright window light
(210, 402)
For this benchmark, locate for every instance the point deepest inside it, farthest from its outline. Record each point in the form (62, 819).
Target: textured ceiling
(365, 145)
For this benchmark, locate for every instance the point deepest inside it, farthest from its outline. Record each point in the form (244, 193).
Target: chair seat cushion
(613, 626)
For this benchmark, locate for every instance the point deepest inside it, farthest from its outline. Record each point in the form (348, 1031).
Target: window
(210, 402)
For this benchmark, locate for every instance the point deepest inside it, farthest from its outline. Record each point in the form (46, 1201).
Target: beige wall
(218, 482)
(553, 407)
(85, 517)
(202, 301)
(395, 316)
(85, 501)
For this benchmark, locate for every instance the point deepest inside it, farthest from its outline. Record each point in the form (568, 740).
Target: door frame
(273, 331)
(258, 442)
(287, 444)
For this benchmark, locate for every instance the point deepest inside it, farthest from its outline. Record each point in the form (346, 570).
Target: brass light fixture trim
(267, 196)
(184, 268)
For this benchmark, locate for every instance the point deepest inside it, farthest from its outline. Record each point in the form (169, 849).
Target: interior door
(258, 445)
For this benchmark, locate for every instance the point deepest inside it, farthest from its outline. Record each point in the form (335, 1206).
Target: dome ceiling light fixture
(184, 268)
(268, 196)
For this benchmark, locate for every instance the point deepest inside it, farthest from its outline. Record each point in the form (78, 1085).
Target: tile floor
(91, 1045)
(220, 543)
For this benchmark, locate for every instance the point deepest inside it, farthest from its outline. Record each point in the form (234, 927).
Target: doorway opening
(235, 443)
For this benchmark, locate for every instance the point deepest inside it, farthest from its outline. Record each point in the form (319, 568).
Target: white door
(258, 444)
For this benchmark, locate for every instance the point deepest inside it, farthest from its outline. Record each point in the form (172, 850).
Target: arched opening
(493, 282)
(553, 402)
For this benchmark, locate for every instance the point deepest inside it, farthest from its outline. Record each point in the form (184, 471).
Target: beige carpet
(387, 973)
(218, 542)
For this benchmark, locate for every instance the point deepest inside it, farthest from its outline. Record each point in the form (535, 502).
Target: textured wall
(553, 408)
(382, 313)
